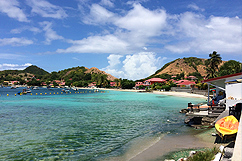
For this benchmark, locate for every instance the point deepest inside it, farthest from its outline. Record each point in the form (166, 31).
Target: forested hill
(196, 67)
(77, 76)
(33, 69)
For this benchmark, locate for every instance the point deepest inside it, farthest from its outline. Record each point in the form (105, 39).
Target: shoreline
(169, 93)
(180, 94)
(169, 144)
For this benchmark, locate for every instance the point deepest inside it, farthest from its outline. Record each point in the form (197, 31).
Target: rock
(228, 152)
(184, 111)
(187, 120)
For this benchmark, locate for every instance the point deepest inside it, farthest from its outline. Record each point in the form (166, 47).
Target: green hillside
(33, 69)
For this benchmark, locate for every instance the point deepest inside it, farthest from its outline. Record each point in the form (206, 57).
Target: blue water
(83, 126)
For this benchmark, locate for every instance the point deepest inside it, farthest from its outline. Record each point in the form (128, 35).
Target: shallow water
(84, 126)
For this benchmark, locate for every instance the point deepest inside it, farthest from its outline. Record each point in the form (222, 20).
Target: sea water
(84, 124)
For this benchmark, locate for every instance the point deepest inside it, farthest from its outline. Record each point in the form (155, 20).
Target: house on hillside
(137, 84)
(13, 82)
(43, 84)
(62, 83)
(153, 81)
(92, 85)
(185, 83)
(113, 84)
(191, 77)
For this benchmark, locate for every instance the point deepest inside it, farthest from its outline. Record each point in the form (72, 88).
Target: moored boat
(35, 88)
(227, 126)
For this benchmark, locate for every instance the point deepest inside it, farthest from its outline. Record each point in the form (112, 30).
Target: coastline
(173, 143)
(167, 144)
(169, 93)
(180, 94)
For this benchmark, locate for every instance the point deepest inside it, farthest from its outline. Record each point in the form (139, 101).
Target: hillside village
(183, 73)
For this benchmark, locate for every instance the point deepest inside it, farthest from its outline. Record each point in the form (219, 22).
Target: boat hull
(227, 126)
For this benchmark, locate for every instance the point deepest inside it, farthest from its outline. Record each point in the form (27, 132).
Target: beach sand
(169, 144)
(170, 93)
(156, 150)
(180, 94)
(176, 143)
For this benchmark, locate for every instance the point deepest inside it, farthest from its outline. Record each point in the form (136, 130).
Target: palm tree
(212, 64)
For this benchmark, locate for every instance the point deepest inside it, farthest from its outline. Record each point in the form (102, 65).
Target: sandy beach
(168, 143)
(180, 94)
(169, 93)
(175, 143)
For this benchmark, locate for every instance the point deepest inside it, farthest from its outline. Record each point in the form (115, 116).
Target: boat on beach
(227, 126)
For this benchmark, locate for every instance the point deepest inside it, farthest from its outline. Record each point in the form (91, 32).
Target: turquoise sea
(84, 126)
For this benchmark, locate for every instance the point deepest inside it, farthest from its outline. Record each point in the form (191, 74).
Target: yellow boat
(227, 126)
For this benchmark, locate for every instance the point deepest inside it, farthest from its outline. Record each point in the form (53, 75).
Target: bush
(206, 155)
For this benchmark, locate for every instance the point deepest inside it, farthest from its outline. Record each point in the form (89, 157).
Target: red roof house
(113, 84)
(185, 83)
(137, 84)
(153, 80)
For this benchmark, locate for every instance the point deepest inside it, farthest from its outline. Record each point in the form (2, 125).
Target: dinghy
(227, 126)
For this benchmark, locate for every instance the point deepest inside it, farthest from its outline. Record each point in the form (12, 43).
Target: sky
(127, 39)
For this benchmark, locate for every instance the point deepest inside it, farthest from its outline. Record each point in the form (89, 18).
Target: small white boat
(35, 88)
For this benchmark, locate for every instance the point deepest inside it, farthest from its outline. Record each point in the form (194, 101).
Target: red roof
(186, 83)
(222, 77)
(156, 80)
(180, 81)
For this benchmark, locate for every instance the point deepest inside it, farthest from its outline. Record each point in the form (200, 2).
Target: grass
(204, 154)
(207, 155)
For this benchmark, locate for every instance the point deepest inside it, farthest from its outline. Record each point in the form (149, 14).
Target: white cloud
(11, 56)
(14, 66)
(15, 41)
(140, 28)
(195, 7)
(12, 9)
(136, 66)
(107, 3)
(113, 60)
(46, 9)
(97, 44)
(130, 33)
(50, 34)
(142, 21)
(98, 15)
(75, 58)
(195, 33)
(20, 30)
